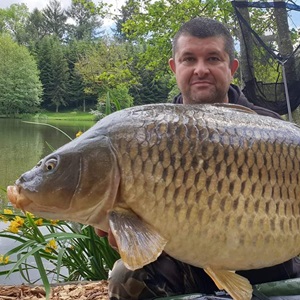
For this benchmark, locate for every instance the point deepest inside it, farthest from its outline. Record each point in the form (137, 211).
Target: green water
(22, 145)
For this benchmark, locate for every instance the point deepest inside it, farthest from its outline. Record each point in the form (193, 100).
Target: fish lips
(17, 199)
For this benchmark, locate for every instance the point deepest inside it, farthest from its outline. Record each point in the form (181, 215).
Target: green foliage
(114, 100)
(79, 64)
(19, 79)
(86, 23)
(54, 71)
(35, 27)
(157, 21)
(69, 115)
(105, 66)
(55, 19)
(76, 86)
(67, 251)
(13, 20)
(120, 98)
(151, 89)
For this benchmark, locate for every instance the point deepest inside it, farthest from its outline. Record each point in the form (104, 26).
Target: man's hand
(111, 238)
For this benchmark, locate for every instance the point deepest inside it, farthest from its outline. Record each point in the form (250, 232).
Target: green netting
(280, 288)
(290, 287)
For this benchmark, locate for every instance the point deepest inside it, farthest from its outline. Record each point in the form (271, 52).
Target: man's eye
(214, 58)
(189, 59)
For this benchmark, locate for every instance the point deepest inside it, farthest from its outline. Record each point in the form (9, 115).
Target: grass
(73, 115)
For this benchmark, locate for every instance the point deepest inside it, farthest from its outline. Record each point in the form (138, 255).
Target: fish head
(78, 182)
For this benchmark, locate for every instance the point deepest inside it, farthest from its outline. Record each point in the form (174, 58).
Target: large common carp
(213, 186)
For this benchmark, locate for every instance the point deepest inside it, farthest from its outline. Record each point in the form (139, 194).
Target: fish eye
(50, 164)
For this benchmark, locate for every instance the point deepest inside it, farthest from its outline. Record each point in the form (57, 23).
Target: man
(204, 64)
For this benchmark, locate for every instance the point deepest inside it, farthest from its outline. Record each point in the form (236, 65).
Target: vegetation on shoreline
(53, 116)
(67, 115)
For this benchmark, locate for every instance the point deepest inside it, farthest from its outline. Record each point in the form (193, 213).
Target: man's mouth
(201, 83)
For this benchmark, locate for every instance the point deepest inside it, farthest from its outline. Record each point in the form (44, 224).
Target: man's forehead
(190, 44)
(217, 40)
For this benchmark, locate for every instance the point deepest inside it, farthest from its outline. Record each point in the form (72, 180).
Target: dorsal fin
(235, 107)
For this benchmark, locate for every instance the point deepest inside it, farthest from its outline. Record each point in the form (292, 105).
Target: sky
(40, 4)
(116, 4)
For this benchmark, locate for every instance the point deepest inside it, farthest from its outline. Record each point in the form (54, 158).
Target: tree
(150, 89)
(54, 71)
(20, 86)
(55, 19)
(86, 23)
(246, 44)
(35, 26)
(285, 45)
(105, 66)
(13, 20)
(155, 23)
(117, 98)
(76, 87)
(126, 13)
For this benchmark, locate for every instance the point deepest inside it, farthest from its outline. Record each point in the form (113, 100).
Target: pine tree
(54, 72)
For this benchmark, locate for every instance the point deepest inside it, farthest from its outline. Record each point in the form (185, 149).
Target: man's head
(203, 61)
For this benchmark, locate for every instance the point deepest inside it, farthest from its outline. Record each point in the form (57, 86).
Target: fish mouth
(17, 199)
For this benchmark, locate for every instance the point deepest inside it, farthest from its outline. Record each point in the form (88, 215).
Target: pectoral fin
(238, 287)
(138, 242)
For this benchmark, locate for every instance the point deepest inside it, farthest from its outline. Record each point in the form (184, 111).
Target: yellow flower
(79, 133)
(4, 259)
(54, 222)
(13, 227)
(15, 224)
(39, 222)
(6, 212)
(51, 246)
(19, 220)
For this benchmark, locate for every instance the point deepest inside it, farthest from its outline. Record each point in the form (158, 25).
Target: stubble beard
(204, 98)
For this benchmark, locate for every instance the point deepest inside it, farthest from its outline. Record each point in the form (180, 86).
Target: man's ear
(172, 65)
(234, 66)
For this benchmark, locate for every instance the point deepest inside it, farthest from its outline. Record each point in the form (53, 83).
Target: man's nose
(201, 68)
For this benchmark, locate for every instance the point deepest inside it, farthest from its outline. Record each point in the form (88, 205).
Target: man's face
(202, 69)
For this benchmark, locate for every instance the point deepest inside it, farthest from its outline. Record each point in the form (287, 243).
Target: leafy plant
(72, 248)
(109, 104)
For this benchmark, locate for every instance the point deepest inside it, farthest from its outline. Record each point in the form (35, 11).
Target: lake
(22, 145)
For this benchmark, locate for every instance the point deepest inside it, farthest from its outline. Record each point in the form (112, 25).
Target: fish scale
(213, 186)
